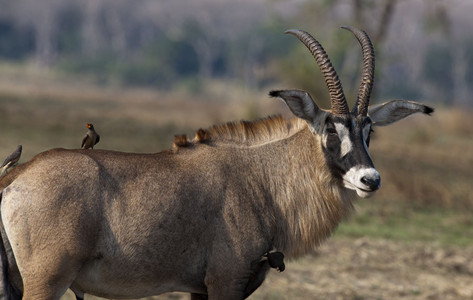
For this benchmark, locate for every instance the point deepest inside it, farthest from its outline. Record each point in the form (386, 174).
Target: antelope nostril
(372, 182)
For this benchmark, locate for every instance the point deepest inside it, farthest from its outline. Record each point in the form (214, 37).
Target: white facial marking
(352, 180)
(344, 135)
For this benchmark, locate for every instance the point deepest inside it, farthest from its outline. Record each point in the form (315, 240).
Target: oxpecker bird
(276, 260)
(11, 160)
(91, 138)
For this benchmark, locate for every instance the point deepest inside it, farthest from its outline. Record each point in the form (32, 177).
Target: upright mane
(251, 133)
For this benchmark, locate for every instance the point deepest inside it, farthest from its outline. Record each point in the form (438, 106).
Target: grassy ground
(432, 225)
(419, 223)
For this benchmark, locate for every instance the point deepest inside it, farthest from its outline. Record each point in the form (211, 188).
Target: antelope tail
(7, 290)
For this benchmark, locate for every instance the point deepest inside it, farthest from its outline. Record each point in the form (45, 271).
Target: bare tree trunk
(46, 39)
(254, 49)
(387, 12)
(357, 13)
(460, 87)
(90, 31)
(386, 17)
(205, 51)
(117, 29)
(380, 32)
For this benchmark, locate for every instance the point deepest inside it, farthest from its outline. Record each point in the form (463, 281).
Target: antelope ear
(299, 102)
(395, 110)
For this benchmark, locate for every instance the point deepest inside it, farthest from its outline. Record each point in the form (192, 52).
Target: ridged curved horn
(367, 76)
(337, 97)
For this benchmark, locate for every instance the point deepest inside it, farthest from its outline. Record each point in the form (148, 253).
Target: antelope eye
(332, 131)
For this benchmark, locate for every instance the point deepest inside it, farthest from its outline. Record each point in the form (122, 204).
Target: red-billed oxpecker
(91, 138)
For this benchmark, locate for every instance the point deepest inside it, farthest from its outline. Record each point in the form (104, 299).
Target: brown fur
(325, 202)
(250, 133)
(179, 141)
(201, 136)
(173, 221)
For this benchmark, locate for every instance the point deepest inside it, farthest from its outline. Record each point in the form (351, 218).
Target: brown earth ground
(375, 269)
(356, 269)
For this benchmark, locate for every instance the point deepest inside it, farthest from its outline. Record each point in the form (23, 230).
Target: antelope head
(345, 135)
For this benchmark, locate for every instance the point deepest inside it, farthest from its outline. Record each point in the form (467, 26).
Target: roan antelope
(198, 218)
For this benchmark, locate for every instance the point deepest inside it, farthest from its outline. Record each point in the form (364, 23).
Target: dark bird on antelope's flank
(91, 138)
(276, 260)
(11, 160)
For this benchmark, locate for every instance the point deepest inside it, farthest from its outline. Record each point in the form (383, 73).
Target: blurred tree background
(144, 70)
(422, 46)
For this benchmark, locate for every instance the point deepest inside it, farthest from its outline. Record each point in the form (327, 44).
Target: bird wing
(13, 157)
(7, 160)
(83, 140)
(97, 139)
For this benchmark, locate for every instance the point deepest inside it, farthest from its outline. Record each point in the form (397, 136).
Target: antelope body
(199, 218)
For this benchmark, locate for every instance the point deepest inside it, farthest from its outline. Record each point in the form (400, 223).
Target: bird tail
(3, 170)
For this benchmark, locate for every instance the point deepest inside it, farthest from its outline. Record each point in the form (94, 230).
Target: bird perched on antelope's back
(91, 138)
(11, 160)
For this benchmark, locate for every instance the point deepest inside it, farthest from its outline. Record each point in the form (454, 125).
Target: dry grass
(425, 162)
(43, 116)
